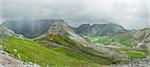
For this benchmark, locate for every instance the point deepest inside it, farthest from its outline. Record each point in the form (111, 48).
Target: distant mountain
(35, 28)
(29, 28)
(99, 29)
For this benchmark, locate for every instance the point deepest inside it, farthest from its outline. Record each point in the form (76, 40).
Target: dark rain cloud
(131, 14)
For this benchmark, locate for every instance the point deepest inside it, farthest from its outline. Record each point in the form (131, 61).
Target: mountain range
(100, 29)
(53, 43)
(35, 28)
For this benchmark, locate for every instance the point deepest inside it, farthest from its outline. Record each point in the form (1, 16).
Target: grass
(64, 41)
(97, 39)
(125, 46)
(87, 52)
(71, 54)
(105, 40)
(30, 51)
(135, 55)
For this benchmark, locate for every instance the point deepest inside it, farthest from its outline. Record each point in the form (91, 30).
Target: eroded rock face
(61, 28)
(137, 38)
(8, 61)
(136, 63)
(4, 32)
(142, 38)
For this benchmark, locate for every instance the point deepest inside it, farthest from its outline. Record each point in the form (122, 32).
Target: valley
(74, 33)
(61, 46)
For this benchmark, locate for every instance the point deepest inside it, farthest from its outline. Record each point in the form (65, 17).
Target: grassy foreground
(30, 51)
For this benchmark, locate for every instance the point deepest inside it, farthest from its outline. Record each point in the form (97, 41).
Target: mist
(131, 14)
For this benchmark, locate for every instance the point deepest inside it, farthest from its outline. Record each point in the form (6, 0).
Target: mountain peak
(59, 21)
(100, 29)
(60, 27)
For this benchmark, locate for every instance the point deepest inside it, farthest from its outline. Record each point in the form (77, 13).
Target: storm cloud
(131, 14)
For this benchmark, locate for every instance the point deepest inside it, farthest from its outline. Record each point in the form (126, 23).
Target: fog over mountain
(74, 33)
(131, 14)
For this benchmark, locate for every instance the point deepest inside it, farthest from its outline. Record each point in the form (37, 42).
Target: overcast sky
(131, 14)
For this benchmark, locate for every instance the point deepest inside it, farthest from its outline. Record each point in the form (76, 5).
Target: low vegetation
(125, 46)
(87, 52)
(30, 51)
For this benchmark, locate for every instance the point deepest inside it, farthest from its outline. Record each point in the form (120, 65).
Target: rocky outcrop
(5, 32)
(142, 38)
(8, 61)
(136, 63)
(61, 28)
(137, 38)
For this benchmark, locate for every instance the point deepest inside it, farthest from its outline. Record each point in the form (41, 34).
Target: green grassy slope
(123, 42)
(87, 52)
(106, 40)
(30, 51)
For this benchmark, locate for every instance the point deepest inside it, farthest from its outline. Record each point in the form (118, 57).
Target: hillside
(134, 44)
(138, 38)
(32, 52)
(5, 59)
(60, 46)
(64, 37)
